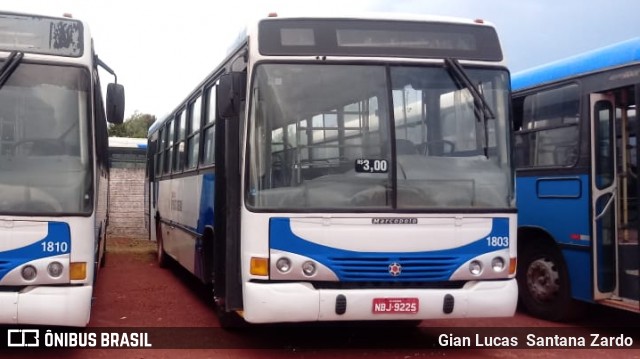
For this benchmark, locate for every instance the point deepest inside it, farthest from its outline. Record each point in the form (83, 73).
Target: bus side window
(178, 150)
(193, 139)
(208, 155)
(549, 127)
(168, 154)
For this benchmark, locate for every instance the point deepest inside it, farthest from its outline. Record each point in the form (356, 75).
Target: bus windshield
(345, 137)
(44, 156)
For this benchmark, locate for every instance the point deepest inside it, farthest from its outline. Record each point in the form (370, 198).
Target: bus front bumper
(47, 305)
(301, 302)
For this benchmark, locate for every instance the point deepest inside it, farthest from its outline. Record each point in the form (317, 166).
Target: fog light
(283, 264)
(55, 269)
(475, 267)
(308, 268)
(29, 272)
(497, 264)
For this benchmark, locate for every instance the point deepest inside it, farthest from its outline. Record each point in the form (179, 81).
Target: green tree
(136, 126)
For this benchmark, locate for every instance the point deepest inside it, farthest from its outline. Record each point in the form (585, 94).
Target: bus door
(627, 130)
(604, 195)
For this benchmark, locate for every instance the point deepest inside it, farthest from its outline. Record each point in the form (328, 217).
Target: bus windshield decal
(372, 166)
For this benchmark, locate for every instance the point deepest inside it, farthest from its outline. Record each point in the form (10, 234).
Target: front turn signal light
(78, 271)
(259, 266)
(513, 264)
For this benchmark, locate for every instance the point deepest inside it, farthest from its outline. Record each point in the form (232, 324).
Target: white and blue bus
(577, 182)
(341, 169)
(53, 168)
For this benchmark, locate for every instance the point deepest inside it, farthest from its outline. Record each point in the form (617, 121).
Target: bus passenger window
(549, 132)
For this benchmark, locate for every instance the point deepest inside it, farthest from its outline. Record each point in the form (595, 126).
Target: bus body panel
(185, 205)
(300, 302)
(54, 305)
(577, 260)
(350, 249)
(549, 198)
(430, 250)
(37, 243)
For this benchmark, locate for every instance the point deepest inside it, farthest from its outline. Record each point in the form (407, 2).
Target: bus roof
(592, 61)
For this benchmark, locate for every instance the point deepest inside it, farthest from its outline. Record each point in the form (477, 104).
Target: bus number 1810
(55, 247)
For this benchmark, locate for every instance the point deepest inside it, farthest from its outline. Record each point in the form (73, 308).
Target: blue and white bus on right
(576, 149)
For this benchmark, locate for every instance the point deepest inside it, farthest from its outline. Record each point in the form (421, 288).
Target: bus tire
(543, 282)
(163, 260)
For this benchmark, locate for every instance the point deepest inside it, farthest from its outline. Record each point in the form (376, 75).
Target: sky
(161, 50)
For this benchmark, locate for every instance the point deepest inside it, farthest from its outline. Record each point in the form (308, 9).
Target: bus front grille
(386, 268)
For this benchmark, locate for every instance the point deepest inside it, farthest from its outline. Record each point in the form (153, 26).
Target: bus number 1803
(496, 241)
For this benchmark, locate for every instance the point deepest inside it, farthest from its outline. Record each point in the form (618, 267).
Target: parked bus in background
(341, 169)
(53, 168)
(577, 181)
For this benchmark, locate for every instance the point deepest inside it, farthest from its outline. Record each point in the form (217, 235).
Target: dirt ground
(133, 291)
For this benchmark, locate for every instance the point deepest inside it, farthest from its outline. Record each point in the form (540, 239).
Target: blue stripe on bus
(57, 232)
(606, 57)
(207, 197)
(205, 218)
(374, 266)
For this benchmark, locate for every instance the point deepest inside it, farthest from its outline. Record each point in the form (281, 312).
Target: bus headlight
(55, 269)
(283, 265)
(497, 264)
(308, 268)
(475, 267)
(29, 272)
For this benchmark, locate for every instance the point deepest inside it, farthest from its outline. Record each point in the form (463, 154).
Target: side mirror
(115, 103)
(230, 93)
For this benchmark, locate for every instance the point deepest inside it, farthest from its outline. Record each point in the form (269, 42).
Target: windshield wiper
(481, 107)
(9, 66)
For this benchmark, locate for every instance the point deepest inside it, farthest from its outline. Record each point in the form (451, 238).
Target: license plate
(395, 305)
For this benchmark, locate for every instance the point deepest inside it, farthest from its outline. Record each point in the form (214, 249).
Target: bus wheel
(544, 284)
(163, 261)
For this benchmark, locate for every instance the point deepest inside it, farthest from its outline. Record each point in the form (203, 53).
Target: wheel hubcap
(542, 280)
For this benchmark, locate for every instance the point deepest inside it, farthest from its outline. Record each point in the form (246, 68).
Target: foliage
(136, 126)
